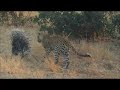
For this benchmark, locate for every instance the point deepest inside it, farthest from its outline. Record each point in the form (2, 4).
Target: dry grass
(105, 61)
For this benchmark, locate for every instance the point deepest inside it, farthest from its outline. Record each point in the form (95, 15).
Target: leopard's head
(41, 35)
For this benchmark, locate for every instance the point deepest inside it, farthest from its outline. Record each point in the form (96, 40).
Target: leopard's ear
(40, 32)
(46, 32)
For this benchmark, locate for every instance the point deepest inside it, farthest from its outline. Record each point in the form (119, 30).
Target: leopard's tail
(79, 54)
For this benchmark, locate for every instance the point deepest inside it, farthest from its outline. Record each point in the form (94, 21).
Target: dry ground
(105, 61)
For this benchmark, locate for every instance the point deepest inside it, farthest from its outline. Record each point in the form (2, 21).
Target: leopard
(59, 46)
